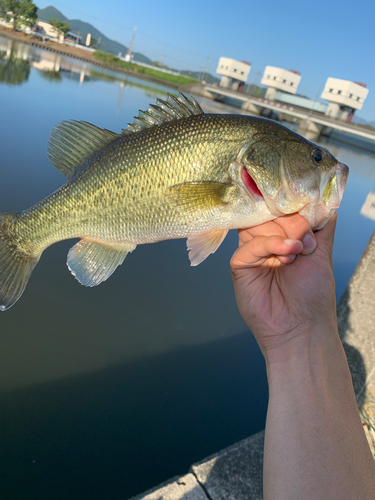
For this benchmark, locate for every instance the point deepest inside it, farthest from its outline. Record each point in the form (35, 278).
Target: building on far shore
(44, 28)
(279, 79)
(233, 73)
(344, 97)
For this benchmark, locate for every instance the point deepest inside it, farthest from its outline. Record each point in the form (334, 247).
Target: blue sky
(319, 39)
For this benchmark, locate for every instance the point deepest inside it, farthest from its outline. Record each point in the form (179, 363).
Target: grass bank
(112, 60)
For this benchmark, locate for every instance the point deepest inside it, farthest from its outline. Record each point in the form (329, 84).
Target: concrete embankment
(236, 472)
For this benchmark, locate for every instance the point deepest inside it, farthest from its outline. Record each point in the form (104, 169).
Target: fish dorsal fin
(174, 108)
(71, 142)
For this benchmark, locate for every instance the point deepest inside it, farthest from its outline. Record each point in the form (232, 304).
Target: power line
(169, 45)
(129, 28)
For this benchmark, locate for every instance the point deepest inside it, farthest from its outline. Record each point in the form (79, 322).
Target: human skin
(315, 447)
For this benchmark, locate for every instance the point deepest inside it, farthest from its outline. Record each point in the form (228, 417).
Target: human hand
(284, 288)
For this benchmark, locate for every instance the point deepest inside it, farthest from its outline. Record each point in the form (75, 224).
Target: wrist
(302, 344)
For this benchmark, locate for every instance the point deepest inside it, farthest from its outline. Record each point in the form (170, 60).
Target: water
(108, 391)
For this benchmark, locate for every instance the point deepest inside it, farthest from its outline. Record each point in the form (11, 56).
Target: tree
(19, 12)
(60, 27)
(93, 42)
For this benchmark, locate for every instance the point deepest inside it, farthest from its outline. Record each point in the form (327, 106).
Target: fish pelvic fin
(71, 142)
(16, 265)
(170, 110)
(200, 246)
(93, 262)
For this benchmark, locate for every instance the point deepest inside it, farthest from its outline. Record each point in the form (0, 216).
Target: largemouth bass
(176, 172)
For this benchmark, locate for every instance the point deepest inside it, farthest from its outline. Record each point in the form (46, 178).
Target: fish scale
(176, 172)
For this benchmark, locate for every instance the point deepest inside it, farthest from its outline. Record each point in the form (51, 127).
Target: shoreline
(77, 53)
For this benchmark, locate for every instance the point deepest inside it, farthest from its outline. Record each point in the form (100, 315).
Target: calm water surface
(108, 391)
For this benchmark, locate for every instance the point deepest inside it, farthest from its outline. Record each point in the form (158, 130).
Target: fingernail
(291, 257)
(309, 243)
(290, 242)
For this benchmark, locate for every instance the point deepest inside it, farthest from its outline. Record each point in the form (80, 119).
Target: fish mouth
(342, 172)
(251, 185)
(332, 189)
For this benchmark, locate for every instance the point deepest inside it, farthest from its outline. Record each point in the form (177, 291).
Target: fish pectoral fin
(202, 245)
(91, 262)
(200, 195)
(71, 142)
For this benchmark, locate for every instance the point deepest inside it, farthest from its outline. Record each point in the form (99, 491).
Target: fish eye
(318, 156)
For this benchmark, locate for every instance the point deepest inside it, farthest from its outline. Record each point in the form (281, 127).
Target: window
(284, 81)
(235, 69)
(291, 84)
(358, 98)
(339, 92)
(268, 76)
(241, 72)
(350, 96)
(274, 77)
(330, 90)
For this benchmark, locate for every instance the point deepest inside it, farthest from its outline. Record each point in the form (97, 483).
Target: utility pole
(205, 68)
(129, 52)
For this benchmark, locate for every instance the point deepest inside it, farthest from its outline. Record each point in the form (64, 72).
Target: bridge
(312, 122)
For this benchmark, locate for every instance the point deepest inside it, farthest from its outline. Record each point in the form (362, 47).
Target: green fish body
(175, 173)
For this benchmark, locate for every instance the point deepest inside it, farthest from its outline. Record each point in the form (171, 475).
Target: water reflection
(368, 208)
(13, 70)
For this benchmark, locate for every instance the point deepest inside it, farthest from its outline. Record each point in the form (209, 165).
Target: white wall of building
(281, 79)
(233, 69)
(344, 93)
(49, 30)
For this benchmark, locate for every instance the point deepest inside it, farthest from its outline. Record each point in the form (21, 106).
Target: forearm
(315, 447)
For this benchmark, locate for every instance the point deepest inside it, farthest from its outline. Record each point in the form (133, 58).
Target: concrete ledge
(181, 488)
(356, 322)
(234, 473)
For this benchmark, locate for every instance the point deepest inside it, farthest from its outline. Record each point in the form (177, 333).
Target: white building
(280, 79)
(45, 28)
(233, 73)
(344, 97)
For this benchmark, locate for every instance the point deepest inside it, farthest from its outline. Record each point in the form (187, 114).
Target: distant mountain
(81, 28)
(361, 121)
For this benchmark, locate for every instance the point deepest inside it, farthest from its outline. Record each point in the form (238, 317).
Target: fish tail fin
(16, 265)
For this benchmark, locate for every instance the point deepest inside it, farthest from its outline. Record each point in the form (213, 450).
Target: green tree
(93, 42)
(19, 12)
(60, 27)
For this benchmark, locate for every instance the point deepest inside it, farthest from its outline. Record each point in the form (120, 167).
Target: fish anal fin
(71, 142)
(202, 245)
(92, 262)
(203, 195)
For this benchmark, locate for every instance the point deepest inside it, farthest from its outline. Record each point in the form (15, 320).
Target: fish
(175, 172)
